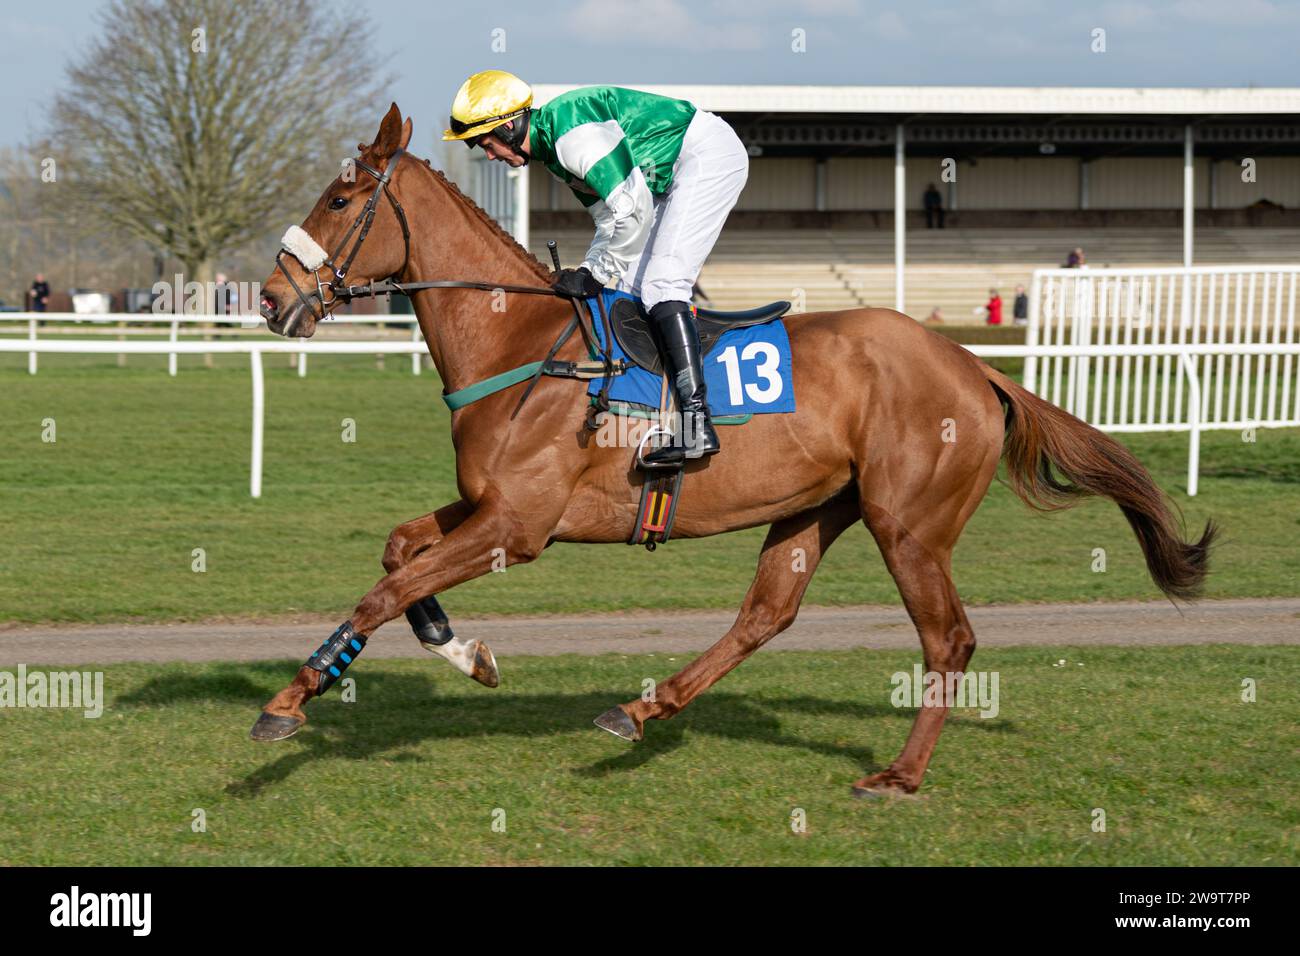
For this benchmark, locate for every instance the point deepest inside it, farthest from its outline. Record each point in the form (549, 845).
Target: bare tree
(193, 125)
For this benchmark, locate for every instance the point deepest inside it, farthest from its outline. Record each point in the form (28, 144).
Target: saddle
(632, 330)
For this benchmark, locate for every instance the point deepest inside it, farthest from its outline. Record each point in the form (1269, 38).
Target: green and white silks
(657, 175)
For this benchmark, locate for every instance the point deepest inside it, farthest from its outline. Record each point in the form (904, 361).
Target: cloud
(828, 8)
(787, 10)
(668, 25)
(1015, 8)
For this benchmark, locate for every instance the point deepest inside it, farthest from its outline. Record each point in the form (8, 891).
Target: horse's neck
(472, 334)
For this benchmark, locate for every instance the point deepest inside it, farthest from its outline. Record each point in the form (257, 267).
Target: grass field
(413, 771)
(101, 524)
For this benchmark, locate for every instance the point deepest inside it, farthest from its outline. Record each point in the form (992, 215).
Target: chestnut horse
(879, 397)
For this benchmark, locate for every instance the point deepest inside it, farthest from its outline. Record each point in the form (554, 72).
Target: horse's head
(356, 233)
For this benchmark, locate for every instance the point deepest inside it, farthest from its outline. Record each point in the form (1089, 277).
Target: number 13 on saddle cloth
(747, 370)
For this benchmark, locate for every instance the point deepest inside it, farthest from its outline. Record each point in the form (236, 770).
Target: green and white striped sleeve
(599, 155)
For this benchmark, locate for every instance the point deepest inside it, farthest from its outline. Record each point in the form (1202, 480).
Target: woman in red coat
(994, 306)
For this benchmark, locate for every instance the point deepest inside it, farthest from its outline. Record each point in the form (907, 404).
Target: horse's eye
(338, 202)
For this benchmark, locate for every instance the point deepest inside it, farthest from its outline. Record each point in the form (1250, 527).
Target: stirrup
(676, 454)
(669, 457)
(642, 454)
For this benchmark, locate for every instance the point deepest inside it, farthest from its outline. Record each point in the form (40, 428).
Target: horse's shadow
(1279, 472)
(403, 710)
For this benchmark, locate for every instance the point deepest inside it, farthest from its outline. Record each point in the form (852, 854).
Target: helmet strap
(517, 136)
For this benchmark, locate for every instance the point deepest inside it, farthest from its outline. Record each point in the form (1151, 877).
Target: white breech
(708, 176)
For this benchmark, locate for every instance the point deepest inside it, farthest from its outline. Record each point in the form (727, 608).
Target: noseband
(333, 283)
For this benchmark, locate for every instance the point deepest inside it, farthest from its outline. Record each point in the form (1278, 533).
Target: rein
(532, 372)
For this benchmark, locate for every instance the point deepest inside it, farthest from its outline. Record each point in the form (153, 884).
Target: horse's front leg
(470, 550)
(428, 621)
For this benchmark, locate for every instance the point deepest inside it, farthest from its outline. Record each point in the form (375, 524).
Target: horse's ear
(389, 139)
(406, 133)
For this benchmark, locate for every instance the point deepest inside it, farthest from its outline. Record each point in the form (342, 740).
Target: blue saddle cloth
(747, 371)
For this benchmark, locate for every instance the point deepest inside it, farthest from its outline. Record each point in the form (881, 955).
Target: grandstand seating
(949, 268)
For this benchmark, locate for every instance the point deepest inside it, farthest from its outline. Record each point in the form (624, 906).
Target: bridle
(334, 285)
(338, 291)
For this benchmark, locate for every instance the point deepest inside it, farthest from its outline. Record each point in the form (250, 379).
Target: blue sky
(433, 46)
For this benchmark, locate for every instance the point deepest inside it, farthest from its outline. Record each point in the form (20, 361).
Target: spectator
(40, 293)
(936, 316)
(933, 206)
(1020, 311)
(1076, 258)
(994, 308)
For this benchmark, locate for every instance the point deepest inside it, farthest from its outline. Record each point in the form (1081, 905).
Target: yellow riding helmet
(485, 101)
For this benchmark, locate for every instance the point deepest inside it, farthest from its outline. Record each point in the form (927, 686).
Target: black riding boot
(679, 346)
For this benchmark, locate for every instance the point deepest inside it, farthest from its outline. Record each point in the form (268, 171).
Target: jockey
(658, 177)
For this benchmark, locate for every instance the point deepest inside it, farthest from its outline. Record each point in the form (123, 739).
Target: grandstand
(950, 268)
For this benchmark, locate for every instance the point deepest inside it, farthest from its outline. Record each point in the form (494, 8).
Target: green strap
(464, 396)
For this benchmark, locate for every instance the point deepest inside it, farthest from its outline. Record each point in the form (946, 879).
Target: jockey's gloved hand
(577, 283)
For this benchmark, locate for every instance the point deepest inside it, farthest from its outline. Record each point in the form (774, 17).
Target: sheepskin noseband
(304, 248)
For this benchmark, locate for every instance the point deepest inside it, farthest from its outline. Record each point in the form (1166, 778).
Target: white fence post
(1193, 423)
(171, 356)
(518, 225)
(415, 356)
(259, 414)
(1031, 334)
(900, 217)
(31, 357)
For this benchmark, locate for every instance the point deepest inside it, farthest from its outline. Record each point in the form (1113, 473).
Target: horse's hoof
(881, 785)
(864, 793)
(485, 666)
(618, 723)
(274, 727)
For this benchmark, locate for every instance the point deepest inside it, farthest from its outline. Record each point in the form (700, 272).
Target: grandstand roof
(1001, 100)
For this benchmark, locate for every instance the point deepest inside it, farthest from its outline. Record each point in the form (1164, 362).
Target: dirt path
(1264, 621)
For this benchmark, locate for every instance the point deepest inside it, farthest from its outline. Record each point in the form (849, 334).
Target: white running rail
(1190, 360)
(175, 324)
(1237, 320)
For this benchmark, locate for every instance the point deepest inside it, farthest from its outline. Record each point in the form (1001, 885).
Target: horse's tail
(1043, 441)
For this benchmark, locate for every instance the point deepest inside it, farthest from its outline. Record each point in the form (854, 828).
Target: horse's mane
(495, 227)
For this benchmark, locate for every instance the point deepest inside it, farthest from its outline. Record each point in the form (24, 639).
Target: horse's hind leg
(793, 548)
(947, 641)
(427, 619)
